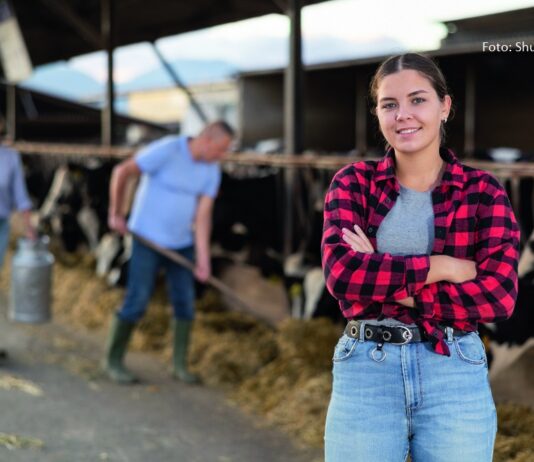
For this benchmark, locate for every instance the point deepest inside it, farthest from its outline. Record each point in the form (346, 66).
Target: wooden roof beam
(62, 9)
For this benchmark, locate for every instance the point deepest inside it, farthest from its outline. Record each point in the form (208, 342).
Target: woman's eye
(388, 106)
(418, 100)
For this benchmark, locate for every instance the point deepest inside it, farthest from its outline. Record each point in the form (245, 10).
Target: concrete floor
(81, 416)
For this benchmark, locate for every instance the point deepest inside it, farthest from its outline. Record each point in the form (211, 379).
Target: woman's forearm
(450, 269)
(445, 268)
(439, 269)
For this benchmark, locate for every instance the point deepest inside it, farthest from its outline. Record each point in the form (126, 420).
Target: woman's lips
(408, 131)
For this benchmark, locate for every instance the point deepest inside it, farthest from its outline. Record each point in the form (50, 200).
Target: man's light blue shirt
(13, 193)
(171, 183)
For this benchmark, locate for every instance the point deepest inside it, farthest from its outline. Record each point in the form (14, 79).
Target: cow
(112, 256)
(248, 228)
(506, 341)
(75, 207)
(306, 288)
(245, 212)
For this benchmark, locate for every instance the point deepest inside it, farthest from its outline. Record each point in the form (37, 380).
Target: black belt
(396, 335)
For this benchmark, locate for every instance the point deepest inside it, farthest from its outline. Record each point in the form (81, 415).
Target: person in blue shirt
(13, 196)
(172, 207)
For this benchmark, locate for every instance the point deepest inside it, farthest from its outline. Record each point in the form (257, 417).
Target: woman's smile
(408, 131)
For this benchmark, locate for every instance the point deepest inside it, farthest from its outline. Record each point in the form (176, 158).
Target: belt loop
(450, 333)
(362, 332)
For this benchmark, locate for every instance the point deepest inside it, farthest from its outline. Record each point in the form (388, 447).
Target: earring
(444, 120)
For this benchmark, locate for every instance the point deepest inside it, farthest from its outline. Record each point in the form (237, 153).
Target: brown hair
(411, 61)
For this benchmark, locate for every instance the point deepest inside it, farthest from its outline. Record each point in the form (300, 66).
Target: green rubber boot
(119, 337)
(182, 333)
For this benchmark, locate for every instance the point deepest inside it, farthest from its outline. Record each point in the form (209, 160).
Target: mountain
(64, 81)
(189, 71)
(61, 80)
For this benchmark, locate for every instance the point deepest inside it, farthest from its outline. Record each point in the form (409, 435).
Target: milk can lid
(41, 243)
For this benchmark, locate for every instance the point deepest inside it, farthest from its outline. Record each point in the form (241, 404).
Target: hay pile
(282, 374)
(293, 390)
(228, 348)
(515, 440)
(81, 298)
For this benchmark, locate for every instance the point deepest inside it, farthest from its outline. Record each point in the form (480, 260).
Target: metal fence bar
(319, 162)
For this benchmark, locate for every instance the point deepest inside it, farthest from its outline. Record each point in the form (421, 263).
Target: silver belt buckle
(406, 335)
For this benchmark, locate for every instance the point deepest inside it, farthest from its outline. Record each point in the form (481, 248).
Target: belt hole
(368, 333)
(386, 336)
(353, 331)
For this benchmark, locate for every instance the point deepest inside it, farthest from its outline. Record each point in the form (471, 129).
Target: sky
(333, 30)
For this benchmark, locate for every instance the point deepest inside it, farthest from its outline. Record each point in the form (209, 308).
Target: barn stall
(276, 377)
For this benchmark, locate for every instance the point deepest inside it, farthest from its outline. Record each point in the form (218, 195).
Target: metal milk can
(31, 281)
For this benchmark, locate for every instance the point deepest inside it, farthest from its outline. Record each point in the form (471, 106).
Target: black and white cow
(506, 341)
(75, 207)
(75, 210)
(112, 256)
(245, 214)
(248, 228)
(308, 296)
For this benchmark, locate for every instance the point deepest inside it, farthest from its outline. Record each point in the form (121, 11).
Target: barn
(297, 126)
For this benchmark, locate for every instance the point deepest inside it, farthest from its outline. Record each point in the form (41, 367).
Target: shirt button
(370, 230)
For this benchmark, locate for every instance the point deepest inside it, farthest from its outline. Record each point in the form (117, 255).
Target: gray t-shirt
(408, 229)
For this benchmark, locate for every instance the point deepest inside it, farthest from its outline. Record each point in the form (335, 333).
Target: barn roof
(59, 29)
(507, 25)
(47, 118)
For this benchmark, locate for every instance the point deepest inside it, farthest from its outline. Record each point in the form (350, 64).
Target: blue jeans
(4, 238)
(438, 408)
(143, 268)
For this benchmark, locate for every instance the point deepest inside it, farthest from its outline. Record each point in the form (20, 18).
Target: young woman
(418, 248)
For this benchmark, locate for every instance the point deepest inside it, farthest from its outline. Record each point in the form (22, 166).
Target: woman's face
(410, 112)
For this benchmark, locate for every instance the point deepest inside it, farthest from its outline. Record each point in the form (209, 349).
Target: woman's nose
(402, 114)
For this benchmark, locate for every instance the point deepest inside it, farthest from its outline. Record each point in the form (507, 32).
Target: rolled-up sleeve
(491, 296)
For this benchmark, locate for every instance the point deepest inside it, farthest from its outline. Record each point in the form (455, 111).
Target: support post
(293, 114)
(108, 33)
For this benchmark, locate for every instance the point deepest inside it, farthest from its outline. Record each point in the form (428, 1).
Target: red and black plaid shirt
(473, 219)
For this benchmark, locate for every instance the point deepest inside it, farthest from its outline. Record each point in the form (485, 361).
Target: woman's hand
(358, 241)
